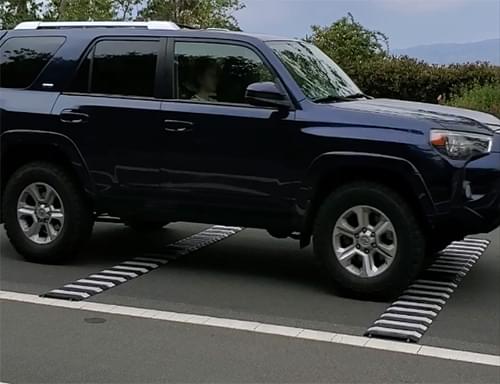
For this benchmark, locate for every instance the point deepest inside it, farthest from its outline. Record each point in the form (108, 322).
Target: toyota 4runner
(151, 123)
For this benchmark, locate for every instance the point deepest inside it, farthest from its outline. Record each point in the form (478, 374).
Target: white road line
(256, 327)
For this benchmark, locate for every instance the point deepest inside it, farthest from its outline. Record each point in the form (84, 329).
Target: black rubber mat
(411, 315)
(101, 281)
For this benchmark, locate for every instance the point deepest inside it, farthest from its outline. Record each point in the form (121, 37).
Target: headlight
(460, 145)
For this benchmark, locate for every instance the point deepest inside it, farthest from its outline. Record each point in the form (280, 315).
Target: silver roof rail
(97, 24)
(218, 29)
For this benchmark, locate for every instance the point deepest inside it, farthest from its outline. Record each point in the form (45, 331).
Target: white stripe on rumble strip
(262, 328)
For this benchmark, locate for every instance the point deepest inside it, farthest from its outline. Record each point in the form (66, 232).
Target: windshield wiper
(358, 95)
(335, 98)
(331, 98)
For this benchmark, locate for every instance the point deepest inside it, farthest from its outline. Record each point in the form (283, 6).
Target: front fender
(352, 164)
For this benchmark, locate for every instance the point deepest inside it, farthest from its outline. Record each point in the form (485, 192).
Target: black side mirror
(266, 94)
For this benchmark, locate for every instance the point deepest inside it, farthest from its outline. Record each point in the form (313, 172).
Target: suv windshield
(316, 74)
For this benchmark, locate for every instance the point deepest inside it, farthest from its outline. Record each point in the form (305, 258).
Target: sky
(407, 23)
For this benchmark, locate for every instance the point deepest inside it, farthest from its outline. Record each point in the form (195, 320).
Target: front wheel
(369, 240)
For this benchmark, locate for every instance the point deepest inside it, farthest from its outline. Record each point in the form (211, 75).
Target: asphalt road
(249, 276)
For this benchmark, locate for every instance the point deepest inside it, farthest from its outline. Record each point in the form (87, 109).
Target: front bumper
(476, 208)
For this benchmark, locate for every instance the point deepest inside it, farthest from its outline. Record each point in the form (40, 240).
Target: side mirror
(266, 94)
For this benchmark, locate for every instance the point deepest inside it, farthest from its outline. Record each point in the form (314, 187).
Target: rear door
(110, 110)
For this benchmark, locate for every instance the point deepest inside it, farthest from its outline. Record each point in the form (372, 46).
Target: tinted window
(23, 58)
(119, 68)
(212, 72)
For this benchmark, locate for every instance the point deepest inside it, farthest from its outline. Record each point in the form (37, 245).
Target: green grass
(484, 98)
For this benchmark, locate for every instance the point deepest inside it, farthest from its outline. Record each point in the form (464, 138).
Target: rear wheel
(47, 217)
(369, 240)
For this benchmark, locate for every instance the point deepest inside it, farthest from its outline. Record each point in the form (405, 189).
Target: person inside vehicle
(206, 81)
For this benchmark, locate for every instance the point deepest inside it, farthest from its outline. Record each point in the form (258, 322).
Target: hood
(457, 119)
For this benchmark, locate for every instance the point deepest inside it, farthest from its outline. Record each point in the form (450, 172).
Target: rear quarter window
(23, 58)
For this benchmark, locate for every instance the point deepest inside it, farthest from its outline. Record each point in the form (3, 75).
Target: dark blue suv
(151, 123)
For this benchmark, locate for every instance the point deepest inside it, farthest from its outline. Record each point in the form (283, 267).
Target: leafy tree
(83, 10)
(363, 54)
(201, 13)
(348, 43)
(12, 12)
(125, 9)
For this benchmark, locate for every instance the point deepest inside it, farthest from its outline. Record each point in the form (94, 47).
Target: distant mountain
(486, 50)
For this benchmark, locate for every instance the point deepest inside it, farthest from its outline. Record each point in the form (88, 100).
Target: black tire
(78, 215)
(411, 245)
(145, 226)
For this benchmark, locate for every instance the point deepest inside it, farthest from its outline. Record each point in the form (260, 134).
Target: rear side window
(23, 58)
(119, 68)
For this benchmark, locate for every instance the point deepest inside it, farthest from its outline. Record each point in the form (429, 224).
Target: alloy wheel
(40, 213)
(364, 241)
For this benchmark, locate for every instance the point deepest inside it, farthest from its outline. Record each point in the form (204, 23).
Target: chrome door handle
(72, 117)
(177, 126)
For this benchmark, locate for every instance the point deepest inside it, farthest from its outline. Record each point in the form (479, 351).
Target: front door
(225, 157)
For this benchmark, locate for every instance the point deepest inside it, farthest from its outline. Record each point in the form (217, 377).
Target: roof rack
(218, 29)
(97, 24)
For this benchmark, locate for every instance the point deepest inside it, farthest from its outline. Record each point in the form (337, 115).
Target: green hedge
(409, 79)
(482, 98)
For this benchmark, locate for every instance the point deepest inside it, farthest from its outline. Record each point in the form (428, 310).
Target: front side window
(214, 72)
(316, 74)
(23, 58)
(115, 67)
